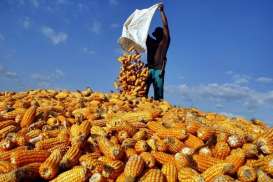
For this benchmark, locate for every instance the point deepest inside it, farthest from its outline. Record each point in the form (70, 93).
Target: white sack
(135, 29)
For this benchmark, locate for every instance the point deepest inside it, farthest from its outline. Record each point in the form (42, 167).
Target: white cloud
(96, 27)
(113, 2)
(88, 51)
(4, 72)
(35, 3)
(264, 80)
(55, 37)
(2, 37)
(46, 80)
(26, 22)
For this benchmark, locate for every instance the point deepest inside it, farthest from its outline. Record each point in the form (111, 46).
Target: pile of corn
(133, 75)
(64, 136)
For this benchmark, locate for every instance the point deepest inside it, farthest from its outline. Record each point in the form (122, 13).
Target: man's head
(158, 33)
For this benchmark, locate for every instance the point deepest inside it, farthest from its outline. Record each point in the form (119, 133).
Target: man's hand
(161, 7)
(162, 72)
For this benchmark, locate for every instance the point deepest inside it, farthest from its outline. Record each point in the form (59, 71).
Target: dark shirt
(156, 52)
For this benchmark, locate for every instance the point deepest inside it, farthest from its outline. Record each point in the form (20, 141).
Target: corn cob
(109, 149)
(193, 126)
(23, 157)
(187, 151)
(141, 146)
(237, 158)
(222, 137)
(130, 152)
(216, 170)
(205, 151)
(246, 173)
(12, 114)
(121, 178)
(6, 130)
(97, 177)
(33, 133)
(155, 126)
(204, 133)
(5, 156)
(162, 157)
(153, 175)
(174, 145)
(250, 150)
(77, 174)
(112, 169)
(49, 168)
(28, 172)
(187, 173)
(8, 177)
(28, 117)
(50, 143)
(262, 176)
(265, 163)
(6, 166)
(114, 139)
(182, 160)
(178, 133)
(221, 150)
(193, 141)
(170, 172)
(264, 142)
(133, 167)
(223, 178)
(128, 143)
(122, 135)
(140, 135)
(6, 123)
(98, 131)
(71, 157)
(148, 159)
(205, 162)
(235, 141)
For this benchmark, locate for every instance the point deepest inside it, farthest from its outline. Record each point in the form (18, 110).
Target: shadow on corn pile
(65, 136)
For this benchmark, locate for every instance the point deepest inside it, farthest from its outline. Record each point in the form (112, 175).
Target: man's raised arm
(166, 32)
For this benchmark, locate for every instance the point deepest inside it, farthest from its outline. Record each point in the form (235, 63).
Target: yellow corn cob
(187, 173)
(155, 126)
(62, 147)
(12, 114)
(221, 150)
(262, 176)
(50, 143)
(49, 168)
(114, 139)
(28, 172)
(235, 141)
(85, 128)
(8, 177)
(122, 135)
(5, 156)
(204, 133)
(23, 157)
(193, 141)
(250, 150)
(162, 157)
(134, 167)
(28, 117)
(128, 143)
(265, 163)
(205, 151)
(170, 172)
(140, 135)
(216, 170)
(77, 174)
(98, 131)
(6, 144)
(222, 137)
(130, 152)
(246, 173)
(6, 123)
(223, 178)
(33, 133)
(205, 162)
(6, 130)
(148, 159)
(121, 178)
(178, 133)
(97, 177)
(141, 146)
(71, 157)
(181, 160)
(109, 149)
(93, 164)
(53, 121)
(6, 166)
(237, 158)
(112, 169)
(174, 145)
(153, 175)
(193, 126)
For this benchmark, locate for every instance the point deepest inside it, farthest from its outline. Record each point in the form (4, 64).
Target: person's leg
(149, 82)
(159, 85)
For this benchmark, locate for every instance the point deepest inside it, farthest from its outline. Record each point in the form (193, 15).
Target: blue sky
(220, 58)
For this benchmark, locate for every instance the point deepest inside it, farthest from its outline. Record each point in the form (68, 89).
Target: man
(156, 56)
